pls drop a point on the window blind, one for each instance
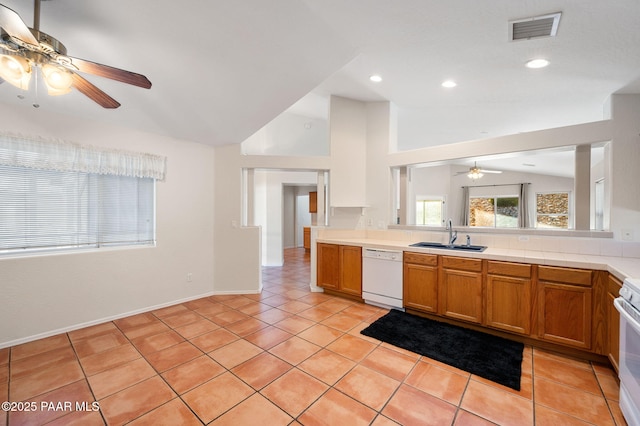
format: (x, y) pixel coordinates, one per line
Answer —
(63, 195)
(44, 209)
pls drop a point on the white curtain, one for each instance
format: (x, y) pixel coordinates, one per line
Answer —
(523, 206)
(464, 217)
(44, 154)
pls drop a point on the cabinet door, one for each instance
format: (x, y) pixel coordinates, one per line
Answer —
(351, 270)
(306, 234)
(420, 287)
(564, 314)
(613, 321)
(461, 295)
(328, 266)
(509, 303)
(313, 202)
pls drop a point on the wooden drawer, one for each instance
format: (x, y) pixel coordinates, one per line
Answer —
(565, 275)
(421, 259)
(462, 263)
(509, 269)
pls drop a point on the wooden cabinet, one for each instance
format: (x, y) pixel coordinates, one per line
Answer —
(420, 282)
(306, 237)
(339, 268)
(328, 266)
(508, 301)
(564, 306)
(613, 322)
(313, 202)
(559, 306)
(351, 270)
(461, 289)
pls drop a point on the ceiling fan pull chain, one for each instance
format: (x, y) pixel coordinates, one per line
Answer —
(35, 86)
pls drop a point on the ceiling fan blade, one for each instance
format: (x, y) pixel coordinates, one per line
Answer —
(93, 92)
(490, 171)
(13, 25)
(106, 71)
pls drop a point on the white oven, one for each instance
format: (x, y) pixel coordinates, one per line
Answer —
(628, 304)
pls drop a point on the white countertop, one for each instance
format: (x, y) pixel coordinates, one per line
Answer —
(620, 267)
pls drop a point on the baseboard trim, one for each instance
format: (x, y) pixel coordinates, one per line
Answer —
(100, 321)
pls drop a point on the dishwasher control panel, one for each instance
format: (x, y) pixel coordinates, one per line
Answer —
(382, 254)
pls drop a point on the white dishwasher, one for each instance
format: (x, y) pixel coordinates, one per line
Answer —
(382, 278)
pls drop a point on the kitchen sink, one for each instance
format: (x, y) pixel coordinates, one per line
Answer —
(461, 247)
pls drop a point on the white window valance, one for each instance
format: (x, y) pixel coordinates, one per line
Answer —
(45, 154)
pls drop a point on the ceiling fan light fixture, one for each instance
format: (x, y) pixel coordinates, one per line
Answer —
(16, 70)
(57, 79)
(474, 173)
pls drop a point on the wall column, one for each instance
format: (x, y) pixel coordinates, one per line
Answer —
(248, 199)
(320, 215)
(582, 188)
(402, 210)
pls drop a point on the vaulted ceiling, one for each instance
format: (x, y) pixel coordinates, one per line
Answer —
(223, 69)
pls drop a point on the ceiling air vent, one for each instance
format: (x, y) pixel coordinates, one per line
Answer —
(536, 27)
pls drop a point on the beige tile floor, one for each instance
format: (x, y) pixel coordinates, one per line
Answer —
(286, 356)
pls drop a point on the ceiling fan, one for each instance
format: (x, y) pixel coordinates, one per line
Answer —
(23, 50)
(476, 173)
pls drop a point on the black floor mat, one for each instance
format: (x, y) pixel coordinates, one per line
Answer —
(487, 356)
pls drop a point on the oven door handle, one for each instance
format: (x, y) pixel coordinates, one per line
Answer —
(622, 306)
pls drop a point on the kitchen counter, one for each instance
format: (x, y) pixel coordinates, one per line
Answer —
(620, 267)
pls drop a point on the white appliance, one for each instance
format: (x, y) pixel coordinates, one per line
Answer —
(382, 278)
(628, 304)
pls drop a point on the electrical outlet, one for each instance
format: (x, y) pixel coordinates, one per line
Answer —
(189, 277)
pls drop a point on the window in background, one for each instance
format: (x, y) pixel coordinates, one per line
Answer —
(498, 212)
(552, 210)
(429, 211)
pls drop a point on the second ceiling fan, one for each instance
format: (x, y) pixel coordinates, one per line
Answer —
(475, 172)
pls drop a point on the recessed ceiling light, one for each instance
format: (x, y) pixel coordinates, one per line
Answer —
(449, 83)
(375, 78)
(537, 63)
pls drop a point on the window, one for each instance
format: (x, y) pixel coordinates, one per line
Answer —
(552, 210)
(498, 212)
(51, 198)
(42, 209)
(429, 211)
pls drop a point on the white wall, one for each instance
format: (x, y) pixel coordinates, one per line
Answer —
(288, 216)
(237, 249)
(348, 141)
(45, 294)
(625, 173)
(290, 134)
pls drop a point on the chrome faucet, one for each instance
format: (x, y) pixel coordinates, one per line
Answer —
(453, 235)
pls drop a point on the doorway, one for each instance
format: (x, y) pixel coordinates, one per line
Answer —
(295, 214)
(303, 218)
